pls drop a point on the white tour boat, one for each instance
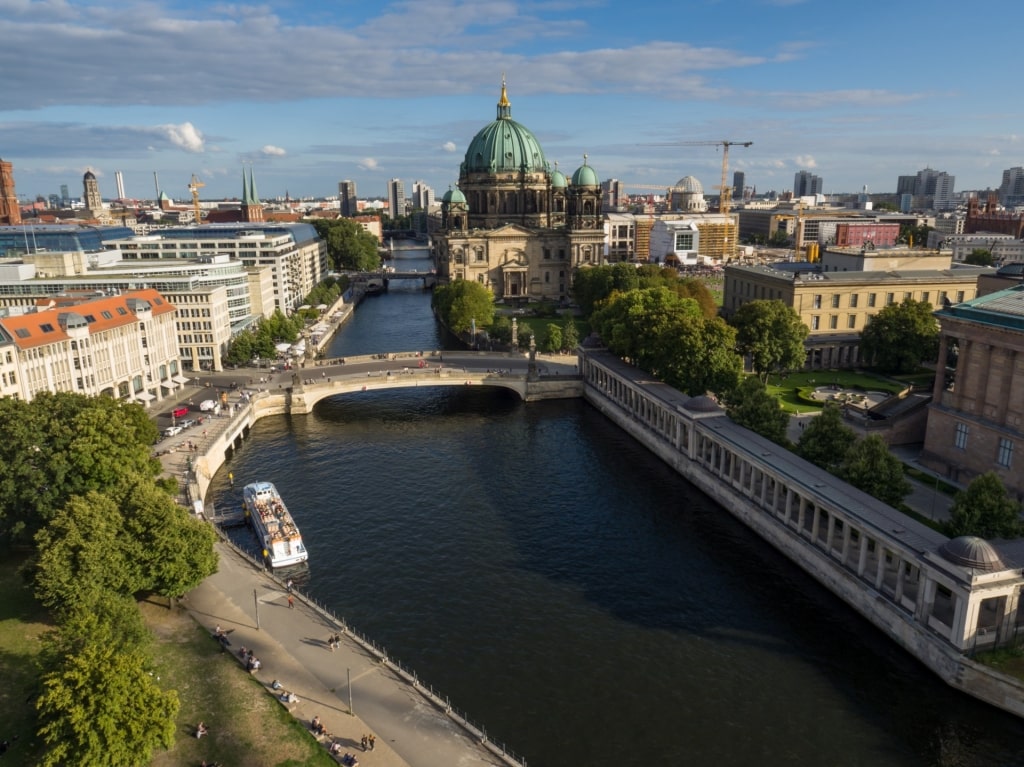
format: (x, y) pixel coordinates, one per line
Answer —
(269, 517)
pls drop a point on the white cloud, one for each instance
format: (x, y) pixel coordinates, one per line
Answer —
(368, 163)
(448, 146)
(273, 151)
(184, 136)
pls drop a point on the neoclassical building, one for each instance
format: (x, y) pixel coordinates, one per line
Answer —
(515, 223)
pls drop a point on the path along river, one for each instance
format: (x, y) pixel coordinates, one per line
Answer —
(575, 596)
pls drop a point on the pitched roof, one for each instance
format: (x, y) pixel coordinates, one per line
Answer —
(50, 325)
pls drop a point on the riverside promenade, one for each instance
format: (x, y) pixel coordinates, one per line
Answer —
(410, 724)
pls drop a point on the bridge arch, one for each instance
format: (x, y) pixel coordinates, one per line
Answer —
(305, 396)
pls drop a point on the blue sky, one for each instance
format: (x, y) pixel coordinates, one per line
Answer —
(311, 93)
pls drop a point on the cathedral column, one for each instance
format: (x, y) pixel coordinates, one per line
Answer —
(940, 369)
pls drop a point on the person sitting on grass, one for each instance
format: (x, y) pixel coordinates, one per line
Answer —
(201, 730)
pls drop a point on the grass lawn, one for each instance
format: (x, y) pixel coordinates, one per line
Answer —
(247, 724)
(22, 621)
(786, 388)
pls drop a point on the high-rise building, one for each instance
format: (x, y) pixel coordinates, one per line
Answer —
(806, 184)
(10, 212)
(931, 189)
(347, 198)
(396, 198)
(119, 180)
(613, 195)
(91, 194)
(65, 196)
(739, 181)
(422, 196)
(1011, 190)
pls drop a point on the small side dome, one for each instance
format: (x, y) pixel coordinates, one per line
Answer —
(89, 175)
(585, 175)
(454, 195)
(689, 184)
(701, 404)
(972, 551)
(558, 180)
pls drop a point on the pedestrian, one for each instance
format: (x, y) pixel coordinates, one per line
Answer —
(291, 601)
(288, 585)
(373, 741)
(364, 742)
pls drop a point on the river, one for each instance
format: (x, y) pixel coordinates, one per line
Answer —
(575, 596)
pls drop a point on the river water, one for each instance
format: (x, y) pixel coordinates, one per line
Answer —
(577, 598)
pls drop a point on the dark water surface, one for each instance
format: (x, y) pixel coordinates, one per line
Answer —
(575, 596)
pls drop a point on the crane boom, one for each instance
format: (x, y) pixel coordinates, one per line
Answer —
(725, 191)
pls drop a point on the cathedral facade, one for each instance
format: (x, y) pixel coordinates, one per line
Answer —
(514, 222)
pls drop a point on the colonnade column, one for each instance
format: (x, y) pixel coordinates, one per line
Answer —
(940, 369)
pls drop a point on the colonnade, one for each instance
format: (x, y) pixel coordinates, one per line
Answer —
(894, 570)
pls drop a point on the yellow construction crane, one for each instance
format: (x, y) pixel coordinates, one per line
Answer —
(194, 186)
(725, 191)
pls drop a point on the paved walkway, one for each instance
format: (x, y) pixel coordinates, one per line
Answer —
(291, 644)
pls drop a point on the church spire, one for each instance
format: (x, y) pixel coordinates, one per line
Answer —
(504, 106)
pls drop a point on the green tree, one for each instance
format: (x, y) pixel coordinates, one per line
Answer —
(591, 285)
(870, 466)
(349, 246)
(751, 405)
(103, 706)
(826, 440)
(65, 444)
(462, 303)
(985, 509)
(669, 337)
(173, 551)
(688, 287)
(500, 330)
(980, 257)
(772, 335)
(82, 552)
(570, 334)
(900, 337)
(552, 340)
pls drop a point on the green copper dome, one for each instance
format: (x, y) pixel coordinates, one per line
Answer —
(558, 180)
(454, 195)
(585, 175)
(504, 145)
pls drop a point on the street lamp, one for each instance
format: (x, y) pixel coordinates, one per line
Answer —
(473, 325)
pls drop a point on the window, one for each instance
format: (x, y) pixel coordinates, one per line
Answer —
(906, 296)
(816, 301)
(889, 299)
(1005, 453)
(853, 301)
(959, 296)
(46, 327)
(835, 300)
(926, 297)
(815, 322)
(960, 439)
(833, 321)
(871, 299)
(942, 296)
(107, 315)
(851, 321)
(684, 241)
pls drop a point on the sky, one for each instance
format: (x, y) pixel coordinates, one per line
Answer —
(307, 94)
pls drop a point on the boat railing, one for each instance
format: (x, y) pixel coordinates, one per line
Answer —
(435, 697)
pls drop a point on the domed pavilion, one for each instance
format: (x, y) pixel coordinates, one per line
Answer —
(515, 222)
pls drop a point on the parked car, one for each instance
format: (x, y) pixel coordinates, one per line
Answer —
(188, 422)
(172, 431)
(207, 405)
(178, 412)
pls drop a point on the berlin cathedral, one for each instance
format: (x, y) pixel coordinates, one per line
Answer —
(515, 223)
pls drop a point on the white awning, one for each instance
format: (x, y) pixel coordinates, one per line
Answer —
(145, 396)
(169, 385)
(181, 379)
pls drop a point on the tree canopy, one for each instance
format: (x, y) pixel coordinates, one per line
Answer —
(594, 284)
(985, 509)
(349, 246)
(870, 466)
(900, 337)
(669, 337)
(772, 334)
(979, 257)
(826, 439)
(61, 445)
(751, 405)
(463, 303)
